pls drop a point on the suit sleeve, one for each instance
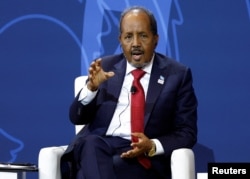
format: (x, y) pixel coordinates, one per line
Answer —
(184, 132)
(81, 114)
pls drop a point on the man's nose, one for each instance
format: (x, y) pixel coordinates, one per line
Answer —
(136, 41)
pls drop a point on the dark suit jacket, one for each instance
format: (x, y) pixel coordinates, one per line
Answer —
(171, 105)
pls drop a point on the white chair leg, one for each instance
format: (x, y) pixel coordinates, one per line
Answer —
(49, 162)
(183, 164)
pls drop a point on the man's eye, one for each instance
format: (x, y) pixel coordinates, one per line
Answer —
(143, 36)
(127, 37)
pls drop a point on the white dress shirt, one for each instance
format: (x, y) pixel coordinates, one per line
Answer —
(120, 123)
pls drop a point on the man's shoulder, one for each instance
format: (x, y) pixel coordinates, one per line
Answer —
(168, 61)
(113, 57)
(109, 62)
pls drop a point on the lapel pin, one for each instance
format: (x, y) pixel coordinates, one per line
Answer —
(161, 80)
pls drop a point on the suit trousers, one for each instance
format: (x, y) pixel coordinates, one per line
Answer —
(96, 157)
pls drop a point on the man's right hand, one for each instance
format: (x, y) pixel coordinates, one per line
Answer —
(97, 75)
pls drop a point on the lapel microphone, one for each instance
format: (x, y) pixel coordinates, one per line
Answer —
(133, 89)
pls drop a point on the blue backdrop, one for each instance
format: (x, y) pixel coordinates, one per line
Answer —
(45, 44)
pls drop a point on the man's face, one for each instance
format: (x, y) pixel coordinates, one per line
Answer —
(137, 40)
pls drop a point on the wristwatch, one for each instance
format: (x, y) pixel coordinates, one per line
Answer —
(152, 151)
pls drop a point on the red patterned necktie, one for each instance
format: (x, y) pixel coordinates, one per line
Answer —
(137, 111)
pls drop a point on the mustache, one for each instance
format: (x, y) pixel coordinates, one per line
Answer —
(136, 51)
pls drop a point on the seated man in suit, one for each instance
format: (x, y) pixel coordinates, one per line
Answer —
(137, 106)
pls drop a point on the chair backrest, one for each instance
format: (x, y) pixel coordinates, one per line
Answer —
(79, 83)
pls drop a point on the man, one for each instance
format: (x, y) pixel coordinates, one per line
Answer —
(108, 147)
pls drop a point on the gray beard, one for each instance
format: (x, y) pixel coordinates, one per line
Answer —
(139, 65)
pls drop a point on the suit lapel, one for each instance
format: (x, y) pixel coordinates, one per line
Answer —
(114, 84)
(156, 83)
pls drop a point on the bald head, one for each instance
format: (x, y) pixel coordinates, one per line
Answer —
(138, 9)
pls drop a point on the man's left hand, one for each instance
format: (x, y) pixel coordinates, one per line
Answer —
(141, 147)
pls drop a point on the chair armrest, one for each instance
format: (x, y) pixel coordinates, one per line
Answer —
(202, 176)
(183, 164)
(49, 162)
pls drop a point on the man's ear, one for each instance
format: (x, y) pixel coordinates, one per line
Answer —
(156, 40)
(119, 38)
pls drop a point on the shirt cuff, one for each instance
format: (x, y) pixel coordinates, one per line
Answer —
(159, 149)
(86, 95)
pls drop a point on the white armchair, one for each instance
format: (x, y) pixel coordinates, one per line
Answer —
(182, 160)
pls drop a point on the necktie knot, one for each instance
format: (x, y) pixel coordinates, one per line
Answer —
(138, 73)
